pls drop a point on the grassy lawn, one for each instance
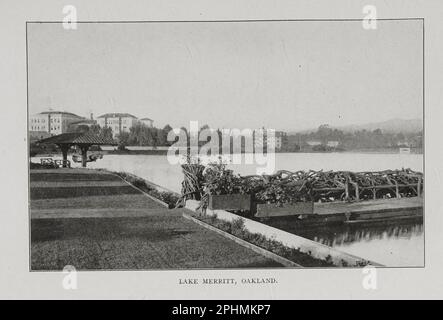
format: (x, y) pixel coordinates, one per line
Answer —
(86, 191)
(135, 243)
(162, 239)
(131, 201)
(72, 175)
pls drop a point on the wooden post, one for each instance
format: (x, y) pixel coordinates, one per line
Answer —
(64, 148)
(419, 187)
(84, 150)
(347, 188)
(397, 190)
(357, 191)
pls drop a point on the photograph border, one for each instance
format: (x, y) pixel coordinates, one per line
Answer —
(422, 19)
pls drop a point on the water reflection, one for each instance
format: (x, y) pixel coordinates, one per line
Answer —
(394, 243)
(346, 234)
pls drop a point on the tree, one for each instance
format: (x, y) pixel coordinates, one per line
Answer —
(106, 133)
(81, 128)
(123, 138)
(164, 134)
(95, 128)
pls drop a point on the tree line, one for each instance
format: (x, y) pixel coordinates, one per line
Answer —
(141, 135)
(138, 135)
(360, 139)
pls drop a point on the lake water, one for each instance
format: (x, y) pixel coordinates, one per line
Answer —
(401, 244)
(396, 243)
(158, 170)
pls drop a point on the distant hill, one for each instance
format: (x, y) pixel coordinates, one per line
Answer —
(388, 126)
(391, 126)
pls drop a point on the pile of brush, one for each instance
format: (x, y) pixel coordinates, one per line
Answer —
(288, 187)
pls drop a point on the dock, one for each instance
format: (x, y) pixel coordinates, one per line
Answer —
(379, 209)
(369, 206)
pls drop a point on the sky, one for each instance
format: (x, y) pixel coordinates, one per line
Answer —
(286, 75)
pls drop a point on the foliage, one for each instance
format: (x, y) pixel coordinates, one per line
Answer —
(237, 228)
(219, 180)
(279, 194)
(286, 187)
(121, 147)
(360, 139)
(142, 135)
(105, 132)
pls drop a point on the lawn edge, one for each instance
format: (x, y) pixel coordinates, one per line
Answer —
(164, 204)
(268, 254)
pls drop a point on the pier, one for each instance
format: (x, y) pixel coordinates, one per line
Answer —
(380, 209)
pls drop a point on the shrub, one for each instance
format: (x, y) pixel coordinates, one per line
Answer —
(139, 183)
(212, 218)
(237, 228)
(121, 147)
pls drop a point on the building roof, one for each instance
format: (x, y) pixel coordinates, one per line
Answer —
(61, 112)
(146, 119)
(117, 115)
(77, 138)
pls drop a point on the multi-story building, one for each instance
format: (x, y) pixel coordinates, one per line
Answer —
(147, 122)
(121, 122)
(281, 138)
(118, 122)
(261, 139)
(52, 122)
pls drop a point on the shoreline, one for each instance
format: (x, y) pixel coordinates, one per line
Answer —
(165, 152)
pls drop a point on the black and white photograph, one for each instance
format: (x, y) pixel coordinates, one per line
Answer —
(229, 144)
(206, 150)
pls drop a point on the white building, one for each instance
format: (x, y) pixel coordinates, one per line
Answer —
(280, 139)
(147, 122)
(52, 122)
(118, 122)
(313, 143)
(121, 122)
(333, 144)
(261, 139)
